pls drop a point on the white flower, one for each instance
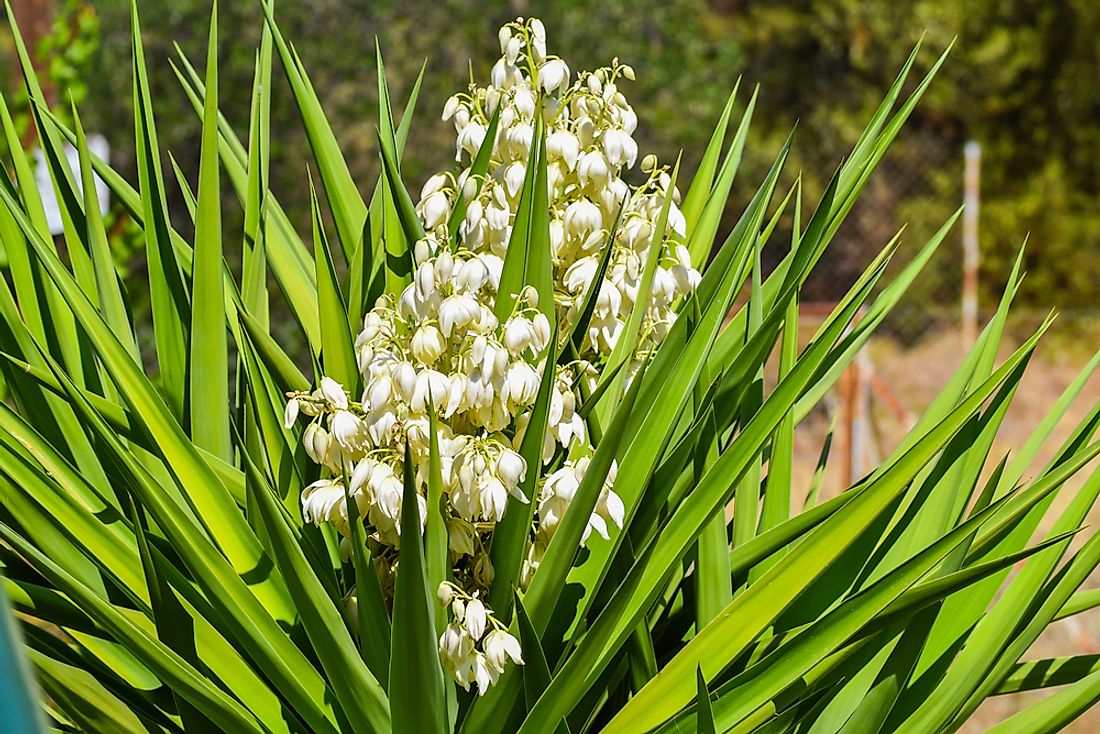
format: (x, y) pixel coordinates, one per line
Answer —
(511, 468)
(290, 415)
(519, 138)
(471, 275)
(455, 647)
(405, 378)
(475, 619)
(450, 107)
(457, 311)
(433, 385)
(494, 499)
(582, 217)
(499, 647)
(513, 178)
(523, 101)
(387, 497)
(563, 145)
(538, 29)
(676, 220)
(434, 210)
(505, 75)
(334, 393)
(470, 139)
(427, 344)
(512, 49)
(519, 334)
(521, 384)
(619, 147)
(541, 327)
(578, 278)
(563, 483)
(434, 183)
(360, 475)
(553, 75)
(611, 506)
(316, 442)
(593, 170)
(346, 429)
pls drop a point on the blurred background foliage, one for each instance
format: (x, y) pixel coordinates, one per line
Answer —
(1022, 81)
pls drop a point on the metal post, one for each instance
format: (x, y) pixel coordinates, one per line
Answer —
(846, 430)
(35, 17)
(971, 200)
(854, 405)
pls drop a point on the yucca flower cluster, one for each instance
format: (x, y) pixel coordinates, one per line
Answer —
(441, 347)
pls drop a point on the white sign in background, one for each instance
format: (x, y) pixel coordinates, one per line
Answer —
(97, 144)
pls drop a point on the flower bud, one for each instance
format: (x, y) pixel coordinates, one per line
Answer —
(316, 442)
(290, 415)
(405, 378)
(445, 593)
(450, 107)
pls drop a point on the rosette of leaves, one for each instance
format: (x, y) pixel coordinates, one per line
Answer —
(164, 580)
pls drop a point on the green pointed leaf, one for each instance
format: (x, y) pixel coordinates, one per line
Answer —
(169, 667)
(338, 356)
(416, 678)
(703, 705)
(348, 209)
(358, 693)
(208, 387)
(527, 261)
(170, 301)
(19, 709)
(536, 671)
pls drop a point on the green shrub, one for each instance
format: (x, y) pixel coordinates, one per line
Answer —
(531, 359)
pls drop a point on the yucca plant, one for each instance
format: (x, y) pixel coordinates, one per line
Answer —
(539, 360)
